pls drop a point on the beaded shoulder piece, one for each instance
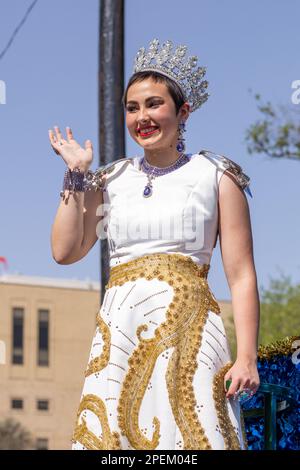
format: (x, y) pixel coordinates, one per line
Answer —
(232, 167)
(93, 179)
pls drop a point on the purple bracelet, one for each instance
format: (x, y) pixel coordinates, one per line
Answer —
(73, 181)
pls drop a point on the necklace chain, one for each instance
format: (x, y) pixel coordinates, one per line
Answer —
(151, 169)
(154, 171)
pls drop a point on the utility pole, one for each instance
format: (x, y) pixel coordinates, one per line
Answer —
(110, 91)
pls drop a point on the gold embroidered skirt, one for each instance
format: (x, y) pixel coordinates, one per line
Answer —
(157, 363)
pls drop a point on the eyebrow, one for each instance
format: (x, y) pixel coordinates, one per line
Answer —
(148, 99)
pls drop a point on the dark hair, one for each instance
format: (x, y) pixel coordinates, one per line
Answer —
(174, 90)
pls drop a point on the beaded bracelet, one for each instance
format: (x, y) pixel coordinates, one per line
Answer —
(75, 180)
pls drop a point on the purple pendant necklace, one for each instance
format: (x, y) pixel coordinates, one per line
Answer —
(153, 171)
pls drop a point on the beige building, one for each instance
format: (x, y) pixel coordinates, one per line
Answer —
(46, 328)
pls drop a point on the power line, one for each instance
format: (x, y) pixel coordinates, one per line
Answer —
(18, 28)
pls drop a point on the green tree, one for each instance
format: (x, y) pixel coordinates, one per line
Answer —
(13, 436)
(277, 132)
(280, 310)
(280, 313)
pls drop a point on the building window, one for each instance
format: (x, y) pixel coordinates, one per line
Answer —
(42, 405)
(41, 443)
(43, 338)
(18, 336)
(17, 404)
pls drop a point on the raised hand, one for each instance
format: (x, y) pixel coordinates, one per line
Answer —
(70, 151)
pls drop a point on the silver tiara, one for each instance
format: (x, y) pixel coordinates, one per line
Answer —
(176, 66)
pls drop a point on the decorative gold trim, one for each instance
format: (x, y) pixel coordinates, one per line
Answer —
(182, 329)
(284, 346)
(110, 440)
(180, 373)
(136, 268)
(99, 362)
(230, 438)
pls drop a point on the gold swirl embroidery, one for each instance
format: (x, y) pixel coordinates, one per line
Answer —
(110, 440)
(99, 362)
(182, 329)
(230, 438)
(180, 373)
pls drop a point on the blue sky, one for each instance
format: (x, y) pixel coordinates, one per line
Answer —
(50, 73)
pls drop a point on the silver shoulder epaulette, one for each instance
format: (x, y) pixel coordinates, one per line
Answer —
(93, 179)
(236, 170)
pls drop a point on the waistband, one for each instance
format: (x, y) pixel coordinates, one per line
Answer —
(157, 265)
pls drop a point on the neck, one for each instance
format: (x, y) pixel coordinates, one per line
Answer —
(162, 158)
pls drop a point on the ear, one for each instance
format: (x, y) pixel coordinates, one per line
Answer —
(185, 111)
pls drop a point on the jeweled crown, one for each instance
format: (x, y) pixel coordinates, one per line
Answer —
(176, 66)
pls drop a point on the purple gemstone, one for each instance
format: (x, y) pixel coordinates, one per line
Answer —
(147, 191)
(180, 147)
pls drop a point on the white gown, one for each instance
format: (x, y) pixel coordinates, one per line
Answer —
(155, 377)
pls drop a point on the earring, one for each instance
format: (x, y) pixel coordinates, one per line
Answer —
(181, 142)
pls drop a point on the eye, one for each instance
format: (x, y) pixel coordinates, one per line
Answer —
(154, 104)
(130, 108)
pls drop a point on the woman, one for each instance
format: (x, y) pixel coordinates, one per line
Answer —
(160, 364)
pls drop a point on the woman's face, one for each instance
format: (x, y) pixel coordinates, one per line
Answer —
(151, 115)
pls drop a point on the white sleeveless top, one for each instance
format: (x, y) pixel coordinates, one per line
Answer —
(181, 215)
